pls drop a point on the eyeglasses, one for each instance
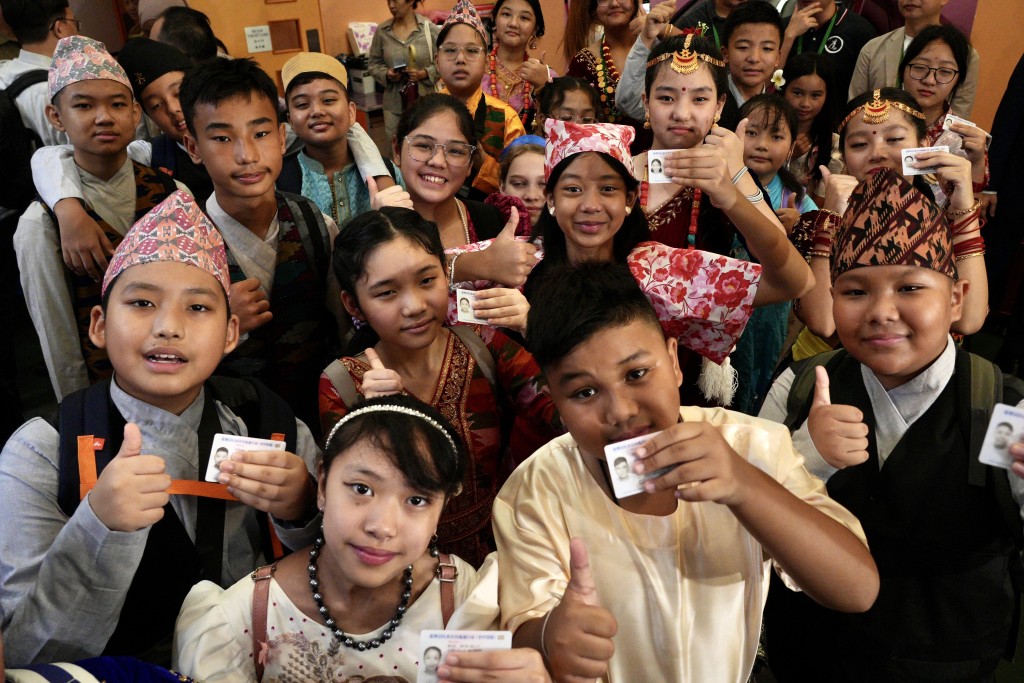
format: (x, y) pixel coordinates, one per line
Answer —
(455, 153)
(943, 75)
(451, 51)
(76, 22)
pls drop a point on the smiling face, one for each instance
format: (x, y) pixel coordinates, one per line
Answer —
(767, 143)
(515, 24)
(752, 54)
(525, 179)
(928, 92)
(895, 319)
(615, 14)
(682, 108)
(320, 112)
(99, 117)
(165, 330)
(807, 96)
(402, 294)
(590, 200)
(434, 181)
(878, 145)
(161, 103)
(620, 383)
(462, 72)
(375, 523)
(240, 143)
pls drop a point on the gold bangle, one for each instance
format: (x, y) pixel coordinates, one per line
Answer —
(963, 257)
(964, 212)
(819, 252)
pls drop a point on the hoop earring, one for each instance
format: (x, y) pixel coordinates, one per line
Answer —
(433, 546)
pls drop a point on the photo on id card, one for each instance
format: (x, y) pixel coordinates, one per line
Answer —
(1004, 429)
(226, 445)
(435, 646)
(656, 166)
(620, 458)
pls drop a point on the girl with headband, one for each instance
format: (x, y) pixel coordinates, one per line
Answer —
(355, 602)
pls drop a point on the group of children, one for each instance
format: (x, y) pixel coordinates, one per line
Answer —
(445, 476)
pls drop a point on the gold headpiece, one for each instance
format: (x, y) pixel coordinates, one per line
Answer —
(877, 111)
(685, 61)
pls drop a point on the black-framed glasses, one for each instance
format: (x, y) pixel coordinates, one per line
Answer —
(423, 148)
(451, 51)
(76, 22)
(943, 75)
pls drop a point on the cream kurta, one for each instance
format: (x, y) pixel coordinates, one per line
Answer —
(687, 589)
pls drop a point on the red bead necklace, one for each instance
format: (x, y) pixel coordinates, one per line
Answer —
(492, 66)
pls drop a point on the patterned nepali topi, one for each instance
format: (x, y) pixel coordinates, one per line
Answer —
(78, 58)
(465, 12)
(146, 60)
(174, 230)
(889, 222)
(566, 138)
(313, 62)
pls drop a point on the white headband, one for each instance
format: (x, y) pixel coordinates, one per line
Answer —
(384, 408)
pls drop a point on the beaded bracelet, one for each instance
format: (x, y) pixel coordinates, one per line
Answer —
(963, 212)
(451, 272)
(739, 175)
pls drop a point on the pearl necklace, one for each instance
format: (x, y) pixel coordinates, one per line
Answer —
(341, 636)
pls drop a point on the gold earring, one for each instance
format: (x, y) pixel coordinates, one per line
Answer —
(717, 116)
(629, 209)
(533, 43)
(647, 121)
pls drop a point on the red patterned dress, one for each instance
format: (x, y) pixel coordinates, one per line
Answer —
(501, 427)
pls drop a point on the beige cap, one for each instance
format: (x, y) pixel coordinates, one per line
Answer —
(308, 62)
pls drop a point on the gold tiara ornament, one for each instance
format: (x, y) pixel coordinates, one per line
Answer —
(686, 60)
(877, 111)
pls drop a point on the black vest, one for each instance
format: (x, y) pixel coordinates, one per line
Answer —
(943, 551)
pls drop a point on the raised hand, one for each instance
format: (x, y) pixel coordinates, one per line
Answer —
(535, 71)
(838, 189)
(502, 307)
(729, 144)
(272, 481)
(519, 665)
(838, 431)
(656, 25)
(83, 243)
(250, 304)
(789, 214)
(378, 380)
(131, 492)
(803, 20)
(508, 260)
(389, 196)
(578, 636)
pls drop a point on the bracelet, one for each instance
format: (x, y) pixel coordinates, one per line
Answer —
(969, 246)
(451, 272)
(963, 212)
(960, 228)
(755, 198)
(543, 630)
(963, 257)
(818, 252)
(739, 175)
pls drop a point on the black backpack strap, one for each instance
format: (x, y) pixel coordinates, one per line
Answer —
(290, 179)
(313, 230)
(163, 156)
(85, 412)
(801, 392)
(25, 81)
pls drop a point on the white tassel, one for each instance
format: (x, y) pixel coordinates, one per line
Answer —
(718, 382)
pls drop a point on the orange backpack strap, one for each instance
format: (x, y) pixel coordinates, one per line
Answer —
(447, 572)
(260, 598)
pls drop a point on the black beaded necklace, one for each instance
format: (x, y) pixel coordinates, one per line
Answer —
(341, 636)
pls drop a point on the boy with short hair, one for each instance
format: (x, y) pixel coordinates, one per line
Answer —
(101, 564)
(750, 47)
(894, 422)
(698, 538)
(324, 169)
(92, 102)
(278, 244)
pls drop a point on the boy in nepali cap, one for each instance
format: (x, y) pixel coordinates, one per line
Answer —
(95, 565)
(894, 423)
(91, 101)
(461, 62)
(156, 71)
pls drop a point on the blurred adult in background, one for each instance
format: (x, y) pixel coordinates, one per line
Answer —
(188, 30)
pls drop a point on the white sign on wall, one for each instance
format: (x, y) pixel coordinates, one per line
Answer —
(257, 39)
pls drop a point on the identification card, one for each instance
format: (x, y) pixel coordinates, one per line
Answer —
(435, 646)
(1006, 427)
(910, 158)
(656, 166)
(465, 298)
(225, 445)
(620, 458)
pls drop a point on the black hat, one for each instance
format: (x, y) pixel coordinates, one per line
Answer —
(146, 60)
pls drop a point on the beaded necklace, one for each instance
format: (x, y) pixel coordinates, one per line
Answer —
(509, 83)
(607, 80)
(691, 237)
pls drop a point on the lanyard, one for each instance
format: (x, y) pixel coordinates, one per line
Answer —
(824, 40)
(718, 43)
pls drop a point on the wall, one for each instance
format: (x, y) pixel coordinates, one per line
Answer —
(229, 25)
(999, 41)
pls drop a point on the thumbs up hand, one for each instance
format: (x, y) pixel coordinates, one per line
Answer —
(508, 260)
(389, 196)
(131, 492)
(535, 71)
(789, 214)
(378, 380)
(838, 189)
(838, 431)
(578, 633)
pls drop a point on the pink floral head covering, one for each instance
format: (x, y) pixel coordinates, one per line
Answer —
(174, 230)
(78, 58)
(566, 138)
(465, 12)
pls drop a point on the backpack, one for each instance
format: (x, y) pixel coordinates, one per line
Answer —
(17, 144)
(988, 387)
